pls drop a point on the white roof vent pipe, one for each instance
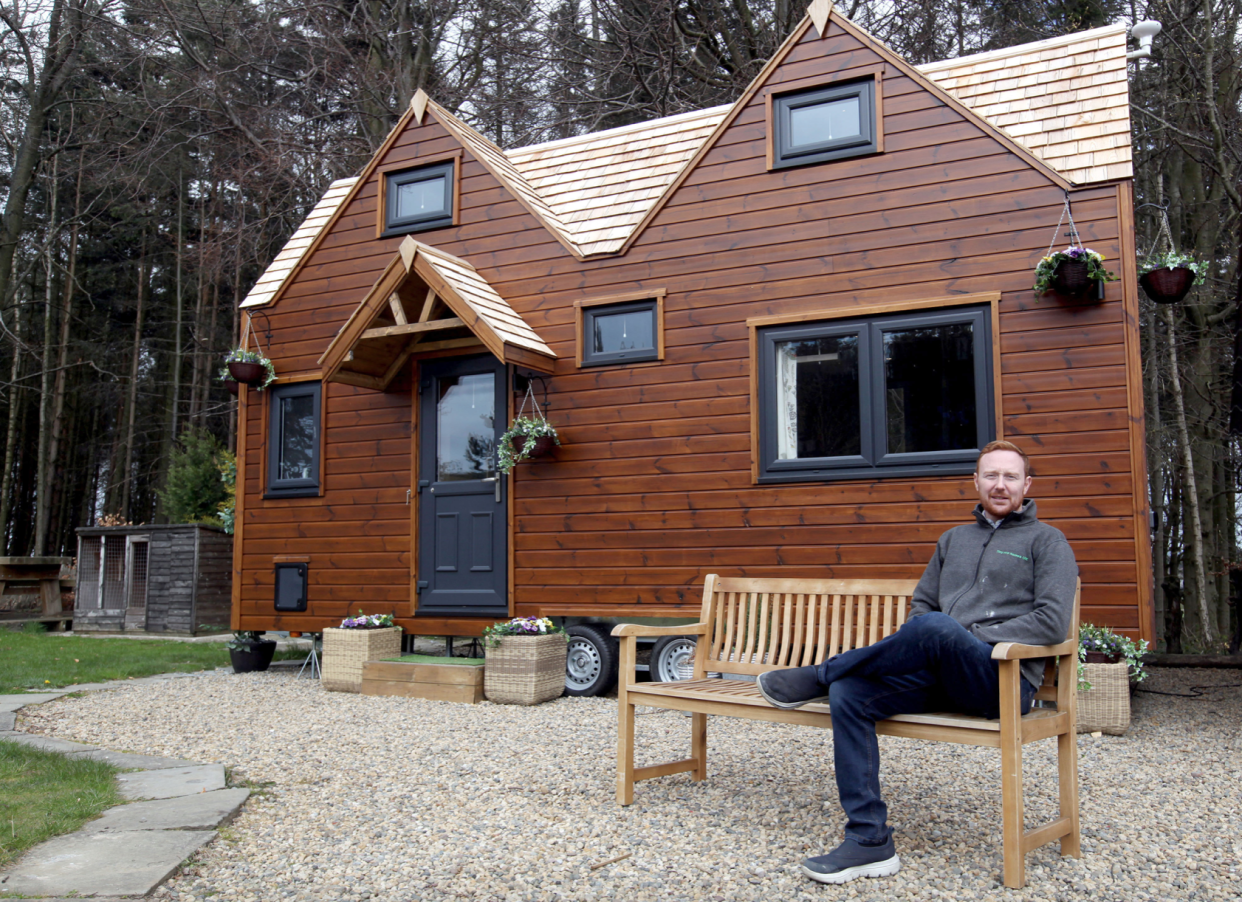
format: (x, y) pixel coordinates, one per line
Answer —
(1144, 32)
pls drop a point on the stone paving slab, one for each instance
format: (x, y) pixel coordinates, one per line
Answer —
(130, 761)
(13, 702)
(47, 743)
(171, 782)
(201, 811)
(103, 863)
(8, 721)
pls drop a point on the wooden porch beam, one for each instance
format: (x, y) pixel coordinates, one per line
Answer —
(412, 328)
(398, 312)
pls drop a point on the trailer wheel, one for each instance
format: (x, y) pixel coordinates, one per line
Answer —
(591, 660)
(672, 659)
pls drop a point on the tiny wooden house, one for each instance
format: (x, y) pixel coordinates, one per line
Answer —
(771, 335)
(155, 579)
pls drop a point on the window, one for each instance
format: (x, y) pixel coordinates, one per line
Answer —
(293, 449)
(824, 124)
(291, 587)
(902, 395)
(620, 332)
(418, 199)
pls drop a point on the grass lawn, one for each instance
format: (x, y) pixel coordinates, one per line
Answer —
(46, 794)
(34, 661)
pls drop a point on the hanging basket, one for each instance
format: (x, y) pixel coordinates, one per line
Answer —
(249, 373)
(1168, 286)
(233, 386)
(538, 446)
(1072, 278)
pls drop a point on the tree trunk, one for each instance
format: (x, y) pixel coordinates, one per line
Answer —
(1193, 534)
(16, 399)
(42, 470)
(132, 392)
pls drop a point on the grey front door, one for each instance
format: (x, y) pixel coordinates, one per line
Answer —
(462, 509)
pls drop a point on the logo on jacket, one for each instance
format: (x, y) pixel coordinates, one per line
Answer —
(1022, 557)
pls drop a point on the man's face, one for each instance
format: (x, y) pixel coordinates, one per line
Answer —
(1002, 482)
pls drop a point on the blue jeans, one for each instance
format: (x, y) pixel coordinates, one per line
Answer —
(932, 663)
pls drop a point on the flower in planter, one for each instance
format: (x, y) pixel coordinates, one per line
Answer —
(1175, 260)
(1046, 270)
(242, 355)
(243, 639)
(1103, 640)
(519, 626)
(368, 622)
(518, 442)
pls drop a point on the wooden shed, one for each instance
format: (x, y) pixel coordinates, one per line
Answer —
(156, 579)
(772, 336)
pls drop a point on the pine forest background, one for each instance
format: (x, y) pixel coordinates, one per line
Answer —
(158, 153)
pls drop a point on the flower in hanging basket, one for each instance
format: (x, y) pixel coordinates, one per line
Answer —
(1071, 271)
(1168, 277)
(368, 622)
(519, 626)
(525, 438)
(1101, 640)
(249, 367)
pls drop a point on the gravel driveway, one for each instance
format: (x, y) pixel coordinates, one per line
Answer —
(402, 799)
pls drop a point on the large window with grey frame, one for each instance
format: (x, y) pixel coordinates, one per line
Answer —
(902, 395)
(293, 440)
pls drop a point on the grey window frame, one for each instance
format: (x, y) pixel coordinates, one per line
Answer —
(394, 180)
(785, 155)
(590, 358)
(293, 488)
(874, 462)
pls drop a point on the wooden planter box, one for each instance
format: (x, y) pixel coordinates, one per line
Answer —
(443, 682)
(345, 651)
(525, 670)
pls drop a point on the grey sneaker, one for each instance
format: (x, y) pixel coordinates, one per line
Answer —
(792, 687)
(852, 860)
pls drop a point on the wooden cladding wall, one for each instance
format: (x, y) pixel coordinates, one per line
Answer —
(652, 488)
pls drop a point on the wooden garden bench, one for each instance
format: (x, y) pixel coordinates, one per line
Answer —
(749, 626)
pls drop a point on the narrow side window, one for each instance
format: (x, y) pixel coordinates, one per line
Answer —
(293, 450)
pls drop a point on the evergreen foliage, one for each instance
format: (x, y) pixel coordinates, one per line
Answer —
(196, 487)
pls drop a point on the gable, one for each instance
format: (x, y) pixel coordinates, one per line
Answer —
(1061, 105)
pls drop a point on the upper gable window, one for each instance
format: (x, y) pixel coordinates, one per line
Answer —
(418, 199)
(824, 124)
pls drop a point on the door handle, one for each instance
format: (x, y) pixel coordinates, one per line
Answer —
(496, 480)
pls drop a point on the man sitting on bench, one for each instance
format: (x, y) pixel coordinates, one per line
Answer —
(1007, 577)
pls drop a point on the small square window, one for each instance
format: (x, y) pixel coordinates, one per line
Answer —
(620, 333)
(418, 199)
(291, 587)
(901, 395)
(824, 124)
(293, 450)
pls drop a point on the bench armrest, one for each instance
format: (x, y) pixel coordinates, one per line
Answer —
(639, 629)
(1013, 651)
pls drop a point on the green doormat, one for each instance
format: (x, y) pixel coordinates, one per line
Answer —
(436, 659)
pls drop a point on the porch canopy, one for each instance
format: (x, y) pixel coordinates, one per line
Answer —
(427, 300)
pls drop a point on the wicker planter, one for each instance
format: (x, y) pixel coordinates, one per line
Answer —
(525, 670)
(1105, 707)
(1168, 286)
(345, 651)
(249, 373)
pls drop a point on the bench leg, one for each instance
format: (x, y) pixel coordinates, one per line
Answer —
(625, 724)
(698, 746)
(1067, 778)
(1012, 813)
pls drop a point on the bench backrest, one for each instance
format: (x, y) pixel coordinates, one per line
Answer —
(765, 624)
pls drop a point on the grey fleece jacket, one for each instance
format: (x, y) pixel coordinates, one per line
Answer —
(1011, 583)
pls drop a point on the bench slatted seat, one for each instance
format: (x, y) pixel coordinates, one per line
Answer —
(749, 626)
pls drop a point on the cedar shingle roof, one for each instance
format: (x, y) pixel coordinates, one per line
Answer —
(1065, 99)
